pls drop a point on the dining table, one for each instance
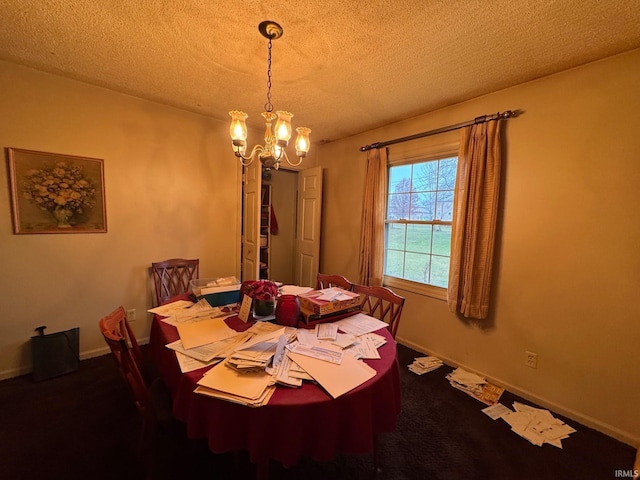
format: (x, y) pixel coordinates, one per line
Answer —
(296, 422)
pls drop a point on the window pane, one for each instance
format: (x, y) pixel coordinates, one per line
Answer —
(396, 236)
(442, 240)
(444, 210)
(400, 179)
(447, 173)
(422, 206)
(416, 267)
(425, 176)
(439, 271)
(398, 206)
(395, 263)
(419, 238)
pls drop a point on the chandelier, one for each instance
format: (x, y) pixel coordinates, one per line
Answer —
(273, 150)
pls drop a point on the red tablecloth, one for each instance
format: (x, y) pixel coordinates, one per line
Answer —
(296, 421)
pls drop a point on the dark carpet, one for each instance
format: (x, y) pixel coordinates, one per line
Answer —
(83, 425)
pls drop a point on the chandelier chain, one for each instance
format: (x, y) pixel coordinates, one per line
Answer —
(268, 107)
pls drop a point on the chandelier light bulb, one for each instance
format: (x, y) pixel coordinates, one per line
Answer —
(283, 128)
(238, 127)
(302, 141)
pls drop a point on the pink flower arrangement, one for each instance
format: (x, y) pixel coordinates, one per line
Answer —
(260, 289)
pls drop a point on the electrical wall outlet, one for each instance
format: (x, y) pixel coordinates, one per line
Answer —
(531, 360)
(131, 315)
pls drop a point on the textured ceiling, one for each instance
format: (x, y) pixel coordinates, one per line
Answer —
(342, 67)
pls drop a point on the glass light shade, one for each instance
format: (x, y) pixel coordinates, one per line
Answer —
(238, 128)
(302, 141)
(278, 151)
(283, 128)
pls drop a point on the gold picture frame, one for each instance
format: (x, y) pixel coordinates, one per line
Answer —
(56, 193)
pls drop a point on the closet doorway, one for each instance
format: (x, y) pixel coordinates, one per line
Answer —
(281, 225)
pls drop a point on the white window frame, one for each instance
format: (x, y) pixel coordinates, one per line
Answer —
(424, 154)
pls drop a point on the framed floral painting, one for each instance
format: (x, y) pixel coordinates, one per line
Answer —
(54, 193)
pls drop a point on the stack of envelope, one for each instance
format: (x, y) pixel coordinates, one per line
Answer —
(423, 365)
(254, 357)
(242, 377)
(195, 358)
(253, 388)
(475, 386)
(537, 425)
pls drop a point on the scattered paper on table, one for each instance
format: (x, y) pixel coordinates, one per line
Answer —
(359, 324)
(343, 340)
(332, 294)
(167, 309)
(316, 351)
(327, 331)
(263, 399)
(364, 347)
(294, 290)
(189, 364)
(335, 379)
(206, 331)
(249, 385)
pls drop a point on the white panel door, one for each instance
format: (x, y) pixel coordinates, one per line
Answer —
(251, 221)
(307, 257)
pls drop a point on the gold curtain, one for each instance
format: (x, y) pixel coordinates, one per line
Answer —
(474, 220)
(371, 263)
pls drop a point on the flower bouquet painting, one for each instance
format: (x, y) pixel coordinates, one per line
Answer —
(54, 193)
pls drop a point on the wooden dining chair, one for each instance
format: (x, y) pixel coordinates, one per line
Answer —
(172, 277)
(325, 280)
(381, 303)
(151, 397)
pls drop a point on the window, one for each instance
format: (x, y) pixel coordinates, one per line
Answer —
(418, 224)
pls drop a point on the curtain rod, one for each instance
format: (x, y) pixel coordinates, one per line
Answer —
(481, 119)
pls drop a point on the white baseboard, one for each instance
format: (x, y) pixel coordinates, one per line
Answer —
(96, 352)
(602, 427)
(14, 372)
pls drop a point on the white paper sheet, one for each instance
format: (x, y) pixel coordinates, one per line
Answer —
(336, 379)
(359, 324)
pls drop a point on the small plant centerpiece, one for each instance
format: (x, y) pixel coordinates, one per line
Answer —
(264, 293)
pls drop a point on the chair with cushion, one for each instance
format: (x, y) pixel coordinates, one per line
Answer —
(172, 277)
(326, 280)
(381, 303)
(151, 397)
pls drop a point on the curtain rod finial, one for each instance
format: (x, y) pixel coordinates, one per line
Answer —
(370, 147)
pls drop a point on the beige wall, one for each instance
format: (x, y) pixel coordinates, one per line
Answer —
(568, 261)
(171, 191)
